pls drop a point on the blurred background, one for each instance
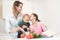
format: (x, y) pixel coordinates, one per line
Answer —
(0, 9)
(47, 10)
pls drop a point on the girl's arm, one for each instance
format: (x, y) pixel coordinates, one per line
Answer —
(31, 29)
(43, 27)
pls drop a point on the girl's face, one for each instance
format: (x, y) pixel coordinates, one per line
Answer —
(19, 8)
(32, 18)
(26, 18)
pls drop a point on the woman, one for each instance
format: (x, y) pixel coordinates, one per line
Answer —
(12, 21)
(37, 27)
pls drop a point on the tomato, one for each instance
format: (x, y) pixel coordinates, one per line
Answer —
(22, 35)
(30, 36)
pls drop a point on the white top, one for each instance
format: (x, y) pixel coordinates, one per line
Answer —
(12, 23)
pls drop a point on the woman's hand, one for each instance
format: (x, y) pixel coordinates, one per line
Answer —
(21, 29)
(17, 29)
(12, 31)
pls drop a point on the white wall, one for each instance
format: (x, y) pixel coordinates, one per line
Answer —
(52, 14)
(6, 9)
(0, 9)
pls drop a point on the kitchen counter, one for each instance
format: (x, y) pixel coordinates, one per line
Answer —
(8, 37)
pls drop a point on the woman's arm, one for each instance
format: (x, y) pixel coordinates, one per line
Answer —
(19, 28)
(7, 25)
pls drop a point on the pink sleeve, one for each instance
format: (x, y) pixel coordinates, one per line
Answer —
(31, 28)
(43, 27)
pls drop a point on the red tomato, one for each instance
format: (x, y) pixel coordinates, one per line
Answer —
(30, 36)
(22, 35)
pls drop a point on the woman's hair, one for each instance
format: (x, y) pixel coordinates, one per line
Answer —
(26, 15)
(35, 15)
(16, 4)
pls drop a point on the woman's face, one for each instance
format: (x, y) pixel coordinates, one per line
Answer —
(32, 18)
(19, 8)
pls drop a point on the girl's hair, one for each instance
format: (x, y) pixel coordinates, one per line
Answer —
(35, 15)
(26, 15)
(16, 4)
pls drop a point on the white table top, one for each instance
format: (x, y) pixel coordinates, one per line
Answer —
(7, 37)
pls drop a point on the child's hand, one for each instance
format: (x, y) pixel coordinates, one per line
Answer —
(24, 26)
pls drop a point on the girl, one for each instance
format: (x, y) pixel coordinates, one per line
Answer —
(37, 27)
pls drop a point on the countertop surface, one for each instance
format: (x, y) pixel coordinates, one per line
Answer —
(8, 37)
